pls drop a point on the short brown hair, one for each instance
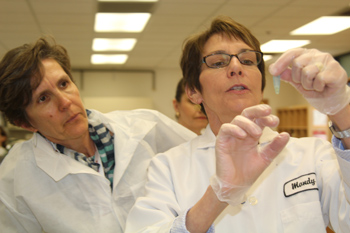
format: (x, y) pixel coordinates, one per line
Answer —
(20, 74)
(191, 59)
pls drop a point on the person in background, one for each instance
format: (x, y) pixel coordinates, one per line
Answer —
(82, 170)
(3, 143)
(240, 175)
(188, 114)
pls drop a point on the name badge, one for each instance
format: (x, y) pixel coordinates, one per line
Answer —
(300, 184)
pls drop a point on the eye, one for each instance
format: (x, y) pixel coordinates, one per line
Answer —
(248, 58)
(42, 98)
(247, 62)
(218, 60)
(64, 83)
(219, 63)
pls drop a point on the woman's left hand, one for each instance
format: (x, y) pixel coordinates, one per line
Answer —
(317, 76)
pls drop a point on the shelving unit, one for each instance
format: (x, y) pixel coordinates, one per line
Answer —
(303, 121)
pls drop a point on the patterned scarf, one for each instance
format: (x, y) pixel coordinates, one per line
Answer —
(104, 142)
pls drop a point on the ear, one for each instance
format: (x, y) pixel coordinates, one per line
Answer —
(194, 95)
(27, 127)
(176, 105)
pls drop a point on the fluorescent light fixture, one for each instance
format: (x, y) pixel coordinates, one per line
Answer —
(108, 58)
(267, 57)
(280, 46)
(325, 25)
(100, 44)
(128, 1)
(121, 22)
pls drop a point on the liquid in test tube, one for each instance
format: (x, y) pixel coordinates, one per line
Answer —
(277, 83)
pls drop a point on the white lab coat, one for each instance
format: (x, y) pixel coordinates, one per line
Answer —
(179, 177)
(43, 190)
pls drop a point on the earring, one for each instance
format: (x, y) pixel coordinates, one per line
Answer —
(198, 106)
(177, 114)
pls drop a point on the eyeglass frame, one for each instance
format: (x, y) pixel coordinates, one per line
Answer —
(232, 55)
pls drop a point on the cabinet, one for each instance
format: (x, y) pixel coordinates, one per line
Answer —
(303, 121)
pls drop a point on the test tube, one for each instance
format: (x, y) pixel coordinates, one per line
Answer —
(277, 83)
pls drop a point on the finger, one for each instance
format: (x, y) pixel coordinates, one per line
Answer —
(271, 150)
(315, 71)
(228, 130)
(308, 76)
(257, 111)
(319, 83)
(284, 61)
(249, 126)
(268, 121)
(296, 73)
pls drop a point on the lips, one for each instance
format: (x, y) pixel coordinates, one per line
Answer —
(238, 87)
(72, 118)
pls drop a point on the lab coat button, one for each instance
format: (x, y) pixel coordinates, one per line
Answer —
(253, 200)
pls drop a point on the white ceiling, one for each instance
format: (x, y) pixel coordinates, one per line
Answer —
(71, 22)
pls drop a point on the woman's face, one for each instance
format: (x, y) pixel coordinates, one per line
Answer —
(190, 115)
(227, 91)
(3, 138)
(56, 110)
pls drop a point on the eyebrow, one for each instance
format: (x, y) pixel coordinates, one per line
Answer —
(225, 52)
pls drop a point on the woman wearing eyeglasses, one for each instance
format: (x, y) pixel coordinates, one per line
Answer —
(240, 176)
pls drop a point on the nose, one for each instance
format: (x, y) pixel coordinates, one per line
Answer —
(235, 67)
(64, 101)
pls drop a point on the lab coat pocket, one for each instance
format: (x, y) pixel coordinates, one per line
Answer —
(305, 217)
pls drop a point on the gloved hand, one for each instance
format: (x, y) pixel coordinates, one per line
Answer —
(239, 158)
(317, 76)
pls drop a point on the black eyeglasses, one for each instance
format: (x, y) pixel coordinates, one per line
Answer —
(220, 60)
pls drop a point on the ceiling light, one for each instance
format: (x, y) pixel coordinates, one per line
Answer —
(100, 44)
(280, 46)
(121, 22)
(267, 57)
(108, 58)
(325, 25)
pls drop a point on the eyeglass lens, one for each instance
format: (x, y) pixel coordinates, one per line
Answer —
(221, 60)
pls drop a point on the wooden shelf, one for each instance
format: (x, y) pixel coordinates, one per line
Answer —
(303, 121)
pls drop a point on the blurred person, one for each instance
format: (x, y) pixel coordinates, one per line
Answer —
(240, 175)
(3, 143)
(188, 114)
(82, 170)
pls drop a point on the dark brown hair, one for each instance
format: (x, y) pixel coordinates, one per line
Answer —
(191, 59)
(20, 74)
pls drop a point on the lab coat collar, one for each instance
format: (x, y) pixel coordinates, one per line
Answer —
(55, 164)
(208, 139)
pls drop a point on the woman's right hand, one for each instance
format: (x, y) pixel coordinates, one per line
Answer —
(239, 158)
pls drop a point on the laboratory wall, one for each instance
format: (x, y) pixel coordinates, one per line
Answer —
(115, 90)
